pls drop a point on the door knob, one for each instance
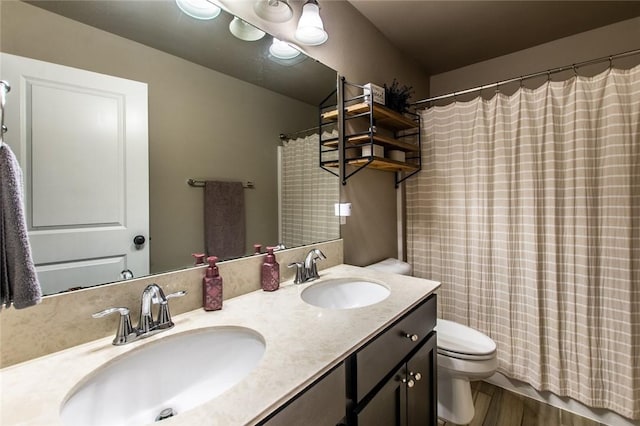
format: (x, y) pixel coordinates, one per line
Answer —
(139, 240)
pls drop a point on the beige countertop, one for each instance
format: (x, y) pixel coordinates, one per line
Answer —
(302, 343)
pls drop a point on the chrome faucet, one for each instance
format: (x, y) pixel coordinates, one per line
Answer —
(307, 271)
(147, 326)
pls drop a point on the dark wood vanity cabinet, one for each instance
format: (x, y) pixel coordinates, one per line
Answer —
(392, 380)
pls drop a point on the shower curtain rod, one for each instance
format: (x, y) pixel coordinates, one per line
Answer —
(528, 76)
(305, 132)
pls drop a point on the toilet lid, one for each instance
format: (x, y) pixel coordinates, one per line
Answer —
(456, 338)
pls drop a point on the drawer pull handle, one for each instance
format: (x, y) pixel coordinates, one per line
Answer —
(410, 383)
(416, 376)
(412, 337)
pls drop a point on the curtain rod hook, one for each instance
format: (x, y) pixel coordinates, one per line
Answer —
(610, 61)
(548, 75)
(575, 70)
(521, 81)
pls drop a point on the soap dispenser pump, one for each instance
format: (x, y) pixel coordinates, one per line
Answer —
(270, 277)
(212, 286)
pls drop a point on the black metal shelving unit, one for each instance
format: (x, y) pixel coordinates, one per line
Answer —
(366, 125)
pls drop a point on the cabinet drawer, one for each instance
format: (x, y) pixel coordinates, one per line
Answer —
(321, 404)
(373, 362)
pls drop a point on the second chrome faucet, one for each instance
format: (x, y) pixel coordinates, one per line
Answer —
(147, 325)
(307, 270)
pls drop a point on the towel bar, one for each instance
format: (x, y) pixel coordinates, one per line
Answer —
(200, 183)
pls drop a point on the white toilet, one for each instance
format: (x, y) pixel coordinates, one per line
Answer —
(464, 355)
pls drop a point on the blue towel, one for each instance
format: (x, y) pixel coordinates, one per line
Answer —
(18, 280)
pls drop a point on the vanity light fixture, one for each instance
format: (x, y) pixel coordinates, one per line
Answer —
(273, 10)
(310, 29)
(199, 9)
(283, 50)
(245, 31)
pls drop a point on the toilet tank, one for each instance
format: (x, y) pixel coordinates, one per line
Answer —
(392, 265)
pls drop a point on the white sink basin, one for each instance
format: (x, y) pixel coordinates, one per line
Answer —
(178, 372)
(345, 293)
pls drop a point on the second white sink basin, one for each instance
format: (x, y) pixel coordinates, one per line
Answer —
(345, 293)
(173, 375)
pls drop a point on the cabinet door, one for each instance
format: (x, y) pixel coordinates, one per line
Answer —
(388, 406)
(422, 398)
(322, 404)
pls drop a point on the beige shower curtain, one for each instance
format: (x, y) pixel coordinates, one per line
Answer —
(528, 211)
(308, 194)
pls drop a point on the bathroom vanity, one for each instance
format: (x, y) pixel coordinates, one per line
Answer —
(391, 380)
(362, 366)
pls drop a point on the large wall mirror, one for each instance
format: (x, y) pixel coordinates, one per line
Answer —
(217, 107)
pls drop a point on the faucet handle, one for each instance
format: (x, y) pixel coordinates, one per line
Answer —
(299, 271)
(176, 294)
(164, 317)
(125, 330)
(121, 310)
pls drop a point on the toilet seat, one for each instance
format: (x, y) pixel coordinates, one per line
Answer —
(462, 342)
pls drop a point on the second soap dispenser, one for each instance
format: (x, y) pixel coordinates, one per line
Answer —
(212, 286)
(270, 276)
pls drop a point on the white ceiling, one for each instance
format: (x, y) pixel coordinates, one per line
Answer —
(445, 35)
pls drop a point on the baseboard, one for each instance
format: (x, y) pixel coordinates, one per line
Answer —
(597, 414)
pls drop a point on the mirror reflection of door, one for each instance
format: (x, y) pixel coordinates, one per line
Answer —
(82, 217)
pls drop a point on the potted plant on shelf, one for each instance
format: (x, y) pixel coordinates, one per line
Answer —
(397, 97)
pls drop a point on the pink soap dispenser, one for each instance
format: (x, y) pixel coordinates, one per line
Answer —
(270, 272)
(212, 287)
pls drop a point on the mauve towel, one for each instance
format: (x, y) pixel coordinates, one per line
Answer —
(18, 280)
(224, 223)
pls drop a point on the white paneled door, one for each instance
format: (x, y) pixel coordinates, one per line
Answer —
(82, 142)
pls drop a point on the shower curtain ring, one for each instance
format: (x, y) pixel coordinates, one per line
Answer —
(521, 81)
(575, 70)
(548, 75)
(610, 61)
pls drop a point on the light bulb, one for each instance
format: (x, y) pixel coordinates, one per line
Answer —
(273, 10)
(199, 9)
(310, 29)
(245, 31)
(283, 50)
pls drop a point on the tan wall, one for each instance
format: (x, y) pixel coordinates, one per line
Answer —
(620, 37)
(358, 51)
(202, 124)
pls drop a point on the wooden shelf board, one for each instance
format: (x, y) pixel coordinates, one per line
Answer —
(385, 115)
(385, 164)
(378, 140)
(378, 163)
(383, 140)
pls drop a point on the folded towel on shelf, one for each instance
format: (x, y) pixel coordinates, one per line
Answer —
(224, 219)
(18, 280)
